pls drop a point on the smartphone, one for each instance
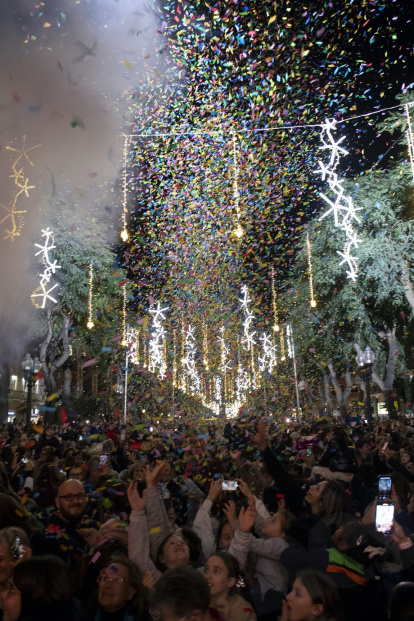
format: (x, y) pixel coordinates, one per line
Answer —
(384, 448)
(103, 461)
(384, 488)
(24, 460)
(384, 515)
(229, 486)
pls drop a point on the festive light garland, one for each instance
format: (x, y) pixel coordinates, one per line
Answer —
(49, 270)
(342, 207)
(274, 303)
(156, 344)
(268, 360)
(124, 232)
(236, 195)
(21, 183)
(309, 247)
(132, 337)
(90, 323)
(124, 324)
(189, 361)
(205, 347)
(409, 134)
(245, 301)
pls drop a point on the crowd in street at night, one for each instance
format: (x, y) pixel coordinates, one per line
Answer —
(241, 520)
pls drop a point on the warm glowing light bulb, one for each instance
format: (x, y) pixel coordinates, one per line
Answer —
(90, 324)
(239, 231)
(276, 328)
(124, 235)
(313, 303)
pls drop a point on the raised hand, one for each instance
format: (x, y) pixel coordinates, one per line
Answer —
(136, 502)
(230, 511)
(398, 535)
(148, 580)
(260, 437)
(153, 478)
(247, 517)
(245, 489)
(214, 491)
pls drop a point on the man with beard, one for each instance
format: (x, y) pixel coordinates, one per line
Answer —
(68, 529)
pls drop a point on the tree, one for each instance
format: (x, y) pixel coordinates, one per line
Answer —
(77, 248)
(376, 309)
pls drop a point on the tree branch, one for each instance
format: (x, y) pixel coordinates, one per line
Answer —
(407, 285)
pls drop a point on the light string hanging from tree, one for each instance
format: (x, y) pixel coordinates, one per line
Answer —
(342, 207)
(310, 271)
(274, 303)
(236, 194)
(90, 323)
(409, 133)
(124, 232)
(189, 361)
(124, 324)
(268, 361)
(156, 343)
(50, 268)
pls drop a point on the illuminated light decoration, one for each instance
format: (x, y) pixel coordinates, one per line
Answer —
(90, 323)
(291, 347)
(124, 232)
(14, 215)
(225, 363)
(268, 361)
(205, 348)
(189, 361)
(50, 268)
(282, 346)
(132, 337)
(124, 324)
(236, 194)
(409, 134)
(217, 389)
(249, 336)
(253, 382)
(274, 303)
(156, 344)
(342, 207)
(310, 271)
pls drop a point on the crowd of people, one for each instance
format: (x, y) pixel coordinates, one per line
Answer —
(242, 520)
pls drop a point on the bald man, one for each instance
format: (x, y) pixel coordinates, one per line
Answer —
(68, 528)
(71, 501)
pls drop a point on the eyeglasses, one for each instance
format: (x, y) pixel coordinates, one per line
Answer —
(71, 497)
(107, 580)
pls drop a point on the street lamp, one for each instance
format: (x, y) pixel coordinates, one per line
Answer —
(30, 369)
(365, 361)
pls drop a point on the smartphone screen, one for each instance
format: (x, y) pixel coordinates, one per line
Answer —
(103, 460)
(384, 516)
(384, 488)
(229, 486)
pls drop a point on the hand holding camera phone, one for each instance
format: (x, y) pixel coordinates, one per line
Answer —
(384, 488)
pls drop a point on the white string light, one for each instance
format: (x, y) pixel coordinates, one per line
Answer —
(90, 323)
(189, 361)
(342, 207)
(50, 268)
(409, 133)
(132, 337)
(268, 360)
(124, 232)
(236, 195)
(309, 247)
(249, 336)
(156, 344)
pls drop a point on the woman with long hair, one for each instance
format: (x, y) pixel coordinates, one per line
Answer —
(223, 577)
(313, 597)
